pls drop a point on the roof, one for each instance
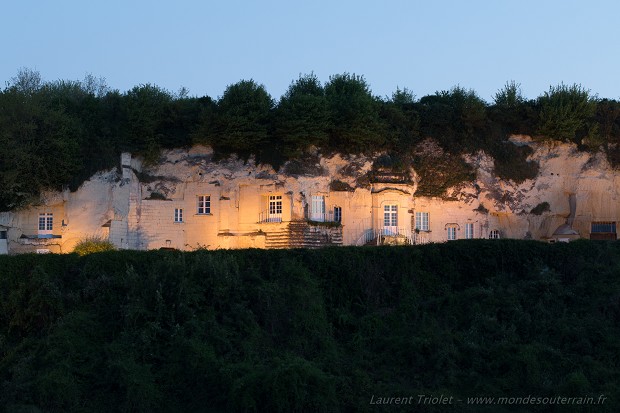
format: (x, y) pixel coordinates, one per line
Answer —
(565, 229)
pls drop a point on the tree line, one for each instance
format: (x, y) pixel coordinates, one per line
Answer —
(56, 134)
(311, 330)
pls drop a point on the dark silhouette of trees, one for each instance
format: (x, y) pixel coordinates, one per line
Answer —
(57, 134)
(309, 330)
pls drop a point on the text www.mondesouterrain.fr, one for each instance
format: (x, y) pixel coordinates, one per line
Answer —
(429, 399)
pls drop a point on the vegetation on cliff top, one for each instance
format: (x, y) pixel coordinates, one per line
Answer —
(311, 330)
(57, 134)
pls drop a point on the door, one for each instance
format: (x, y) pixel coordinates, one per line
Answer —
(275, 208)
(317, 211)
(390, 219)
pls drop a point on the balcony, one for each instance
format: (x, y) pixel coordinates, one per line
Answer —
(266, 216)
(392, 236)
(39, 239)
(319, 217)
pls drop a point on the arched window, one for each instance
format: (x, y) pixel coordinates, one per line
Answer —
(494, 234)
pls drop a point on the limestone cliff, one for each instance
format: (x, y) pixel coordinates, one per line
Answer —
(130, 206)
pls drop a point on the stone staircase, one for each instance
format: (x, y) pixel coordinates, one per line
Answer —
(277, 239)
(299, 234)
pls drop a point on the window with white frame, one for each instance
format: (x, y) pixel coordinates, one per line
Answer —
(494, 234)
(451, 232)
(204, 204)
(390, 216)
(275, 205)
(337, 214)
(46, 223)
(178, 215)
(421, 221)
(317, 212)
(469, 230)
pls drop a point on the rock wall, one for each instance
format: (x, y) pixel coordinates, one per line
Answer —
(135, 207)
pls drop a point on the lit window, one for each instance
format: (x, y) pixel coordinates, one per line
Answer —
(204, 204)
(451, 232)
(178, 215)
(469, 230)
(390, 215)
(46, 222)
(318, 208)
(275, 205)
(421, 221)
(494, 234)
(337, 214)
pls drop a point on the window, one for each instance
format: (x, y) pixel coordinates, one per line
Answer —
(421, 221)
(3, 235)
(451, 232)
(603, 230)
(318, 208)
(46, 222)
(604, 227)
(494, 234)
(390, 216)
(337, 214)
(469, 230)
(178, 215)
(275, 208)
(204, 204)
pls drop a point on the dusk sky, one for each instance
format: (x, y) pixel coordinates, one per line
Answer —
(424, 46)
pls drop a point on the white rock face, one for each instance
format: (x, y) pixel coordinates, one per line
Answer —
(136, 207)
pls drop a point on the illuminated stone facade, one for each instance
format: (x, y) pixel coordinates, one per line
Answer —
(187, 201)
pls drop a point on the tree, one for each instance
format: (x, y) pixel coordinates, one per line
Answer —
(145, 109)
(402, 119)
(510, 96)
(355, 123)
(241, 121)
(566, 113)
(95, 86)
(27, 81)
(511, 112)
(40, 141)
(608, 120)
(180, 120)
(302, 116)
(457, 118)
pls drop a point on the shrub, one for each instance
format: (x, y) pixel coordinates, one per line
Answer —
(540, 208)
(157, 196)
(511, 162)
(439, 173)
(337, 185)
(481, 209)
(93, 244)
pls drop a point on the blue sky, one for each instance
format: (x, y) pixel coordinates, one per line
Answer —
(425, 46)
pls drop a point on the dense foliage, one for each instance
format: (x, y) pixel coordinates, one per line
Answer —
(54, 135)
(311, 330)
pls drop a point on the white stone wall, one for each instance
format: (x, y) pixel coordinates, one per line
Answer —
(116, 204)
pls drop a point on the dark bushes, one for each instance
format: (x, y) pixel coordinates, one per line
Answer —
(309, 330)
